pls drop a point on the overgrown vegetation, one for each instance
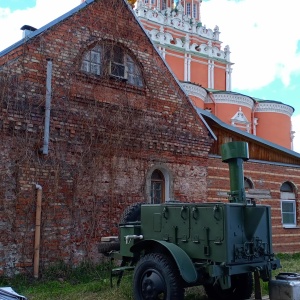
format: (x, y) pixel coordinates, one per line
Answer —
(91, 282)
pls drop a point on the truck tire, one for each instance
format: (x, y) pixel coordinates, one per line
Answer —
(131, 214)
(241, 288)
(157, 277)
(106, 247)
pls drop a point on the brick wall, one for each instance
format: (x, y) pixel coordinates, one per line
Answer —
(105, 136)
(265, 176)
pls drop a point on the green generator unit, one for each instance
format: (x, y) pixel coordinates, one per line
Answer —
(222, 246)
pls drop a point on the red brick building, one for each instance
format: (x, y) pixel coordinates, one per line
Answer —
(91, 115)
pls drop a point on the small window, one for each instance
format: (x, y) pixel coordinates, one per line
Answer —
(248, 184)
(288, 205)
(164, 4)
(188, 9)
(195, 11)
(286, 187)
(157, 187)
(288, 212)
(112, 61)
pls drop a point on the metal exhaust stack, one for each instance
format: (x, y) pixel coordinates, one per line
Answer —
(235, 153)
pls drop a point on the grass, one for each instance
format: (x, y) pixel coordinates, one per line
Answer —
(90, 282)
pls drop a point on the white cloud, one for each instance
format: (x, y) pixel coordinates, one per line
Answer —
(296, 128)
(44, 12)
(262, 36)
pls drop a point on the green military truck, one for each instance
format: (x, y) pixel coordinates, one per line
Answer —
(222, 246)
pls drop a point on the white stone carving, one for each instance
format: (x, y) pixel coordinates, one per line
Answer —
(239, 117)
(236, 99)
(176, 19)
(239, 120)
(169, 18)
(194, 90)
(274, 107)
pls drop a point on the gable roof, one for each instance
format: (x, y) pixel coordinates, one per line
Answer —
(77, 9)
(208, 115)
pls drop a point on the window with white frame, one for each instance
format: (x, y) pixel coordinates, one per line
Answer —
(288, 205)
(112, 61)
(188, 9)
(195, 11)
(288, 213)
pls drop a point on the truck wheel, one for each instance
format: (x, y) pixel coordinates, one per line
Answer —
(131, 214)
(241, 288)
(157, 277)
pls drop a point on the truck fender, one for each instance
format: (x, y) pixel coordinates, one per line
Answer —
(184, 263)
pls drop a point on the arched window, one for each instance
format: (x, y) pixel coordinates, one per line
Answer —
(157, 187)
(110, 60)
(288, 205)
(248, 184)
(159, 184)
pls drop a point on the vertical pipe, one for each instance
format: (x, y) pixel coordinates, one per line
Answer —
(235, 153)
(47, 106)
(37, 237)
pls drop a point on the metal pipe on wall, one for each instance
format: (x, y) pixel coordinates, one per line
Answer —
(37, 236)
(47, 106)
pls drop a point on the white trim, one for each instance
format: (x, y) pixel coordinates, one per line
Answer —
(275, 107)
(194, 90)
(290, 213)
(232, 99)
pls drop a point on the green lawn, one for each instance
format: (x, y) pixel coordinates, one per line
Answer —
(88, 282)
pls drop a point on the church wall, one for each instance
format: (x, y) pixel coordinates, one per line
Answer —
(199, 71)
(225, 111)
(176, 60)
(219, 77)
(274, 127)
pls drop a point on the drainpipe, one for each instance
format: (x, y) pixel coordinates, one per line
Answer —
(37, 237)
(47, 106)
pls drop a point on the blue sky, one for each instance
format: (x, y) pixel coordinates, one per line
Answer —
(17, 4)
(264, 41)
(263, 36)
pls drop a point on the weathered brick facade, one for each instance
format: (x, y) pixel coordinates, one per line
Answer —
(105, 137)
(265, 176)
